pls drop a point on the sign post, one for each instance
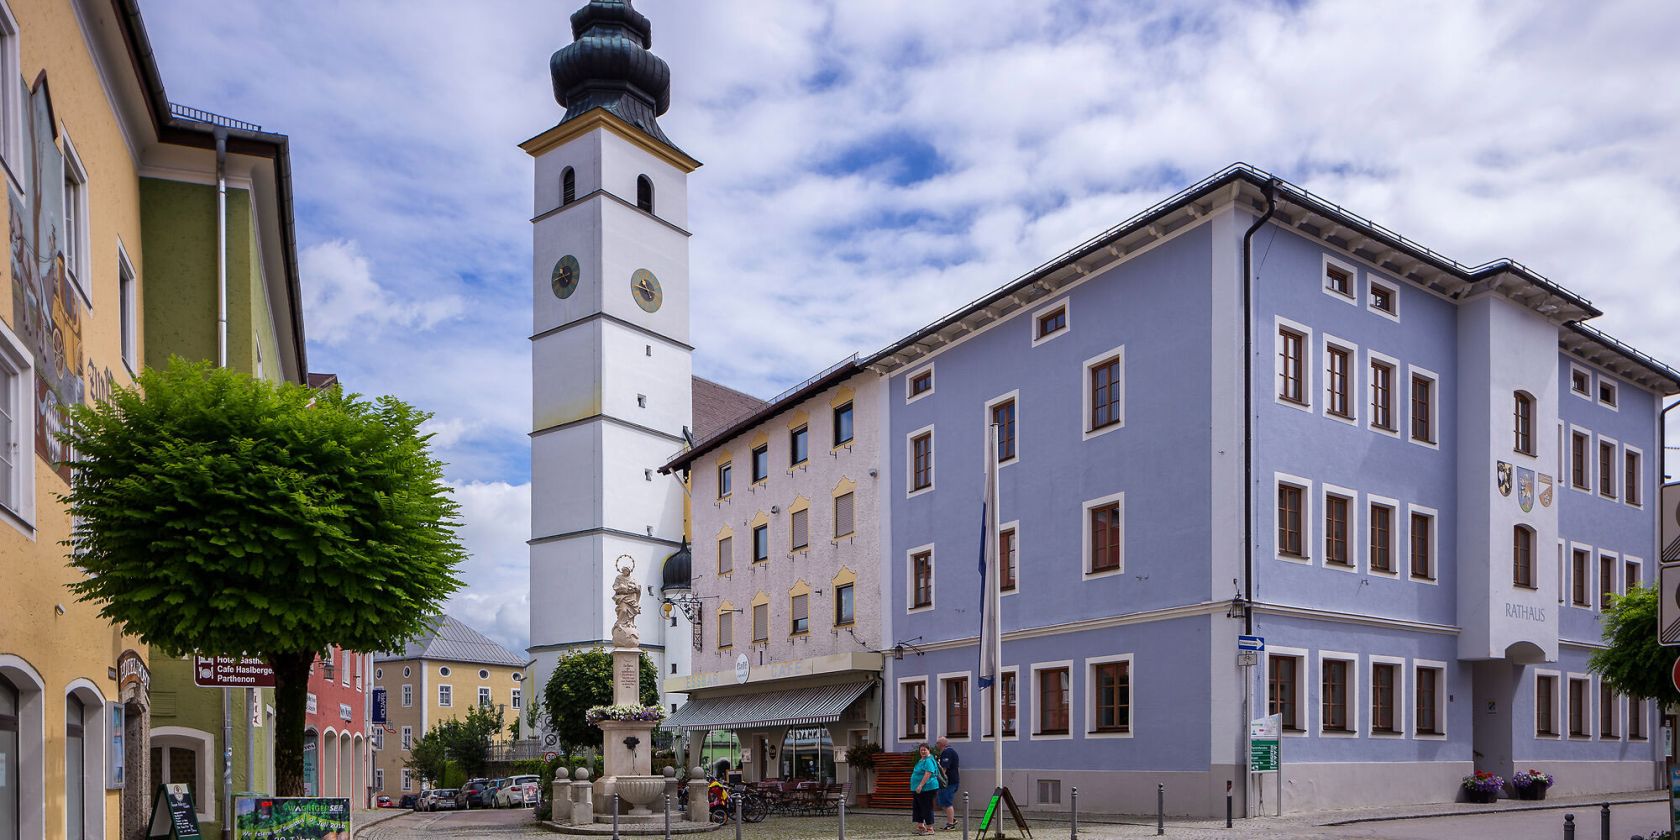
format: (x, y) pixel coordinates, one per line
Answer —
(232, 672)
(1265, 753)
(1249, 649)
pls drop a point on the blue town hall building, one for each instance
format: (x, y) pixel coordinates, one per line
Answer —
(1443, 471)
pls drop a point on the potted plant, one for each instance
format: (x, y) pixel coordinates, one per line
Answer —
(1531, 784)
(1483, 787)
(861, 757)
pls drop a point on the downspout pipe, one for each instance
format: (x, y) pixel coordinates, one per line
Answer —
(1270, 191)
(221, 248)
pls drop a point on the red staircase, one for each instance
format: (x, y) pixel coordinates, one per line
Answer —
(892, 781)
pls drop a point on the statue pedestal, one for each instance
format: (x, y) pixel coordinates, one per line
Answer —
(627, 752)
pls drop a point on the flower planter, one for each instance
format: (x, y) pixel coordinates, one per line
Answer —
(1532, 792)
(1480, 797)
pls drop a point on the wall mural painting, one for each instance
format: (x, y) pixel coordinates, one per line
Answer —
(46, 311)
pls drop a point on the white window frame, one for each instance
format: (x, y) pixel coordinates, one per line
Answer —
(930, 722)
(202, 744)
(128, 304)
(1306, 487)
(1640, 453)
(1591, 472)
(1591, 394)
(1599, 556)
(1279, 324)
(1638, 564)
(1301, 693)
(379, 778)
(408, 695)
(1352, 297)
(1065, 303)
(1441, 694)
(1434, 544)
(944, 726)
(1618, 713)
(1615, 392)
(407, 738)
(1352, 659)
(95, 735)
(516, 699)
(17, 501)
(1412, 372)
(78, 262)
(933, 383)
(1355, 393)
(11, 96)
(1119, 354)
(910, 463)
(1085, 572)
(1394, 556)
(1589, 718)
(1038, 702)
(1402, 708)
(446, 696)
(1615, 468)
(486, 697)
(1014, 525)
(1592, 577)
(910, 579)
(986, 427)
(1559, 723)
(1397, 413)
(1393, 295)
(1091, 695)
(1326, 490)
(407, 779)
(1006, 669)
(406, 672)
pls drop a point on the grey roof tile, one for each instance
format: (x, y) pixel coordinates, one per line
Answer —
(453, 641)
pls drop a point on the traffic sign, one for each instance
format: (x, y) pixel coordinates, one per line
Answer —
(1251, 643)
(1674, 674)
(550, 755)
(1668, 606)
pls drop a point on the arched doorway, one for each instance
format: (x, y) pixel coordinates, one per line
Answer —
(329, 763)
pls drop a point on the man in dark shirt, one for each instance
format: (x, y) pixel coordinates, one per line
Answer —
(948, 762)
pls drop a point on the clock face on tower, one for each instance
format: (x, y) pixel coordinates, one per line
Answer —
(565, 276)
(644, 288)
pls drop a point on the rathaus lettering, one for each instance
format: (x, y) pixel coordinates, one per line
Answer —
(1525, 612)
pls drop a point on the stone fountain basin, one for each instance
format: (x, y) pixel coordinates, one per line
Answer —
(640, 792)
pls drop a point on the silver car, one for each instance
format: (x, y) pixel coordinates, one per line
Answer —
(442, 799)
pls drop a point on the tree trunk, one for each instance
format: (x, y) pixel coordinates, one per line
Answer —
(291, 693)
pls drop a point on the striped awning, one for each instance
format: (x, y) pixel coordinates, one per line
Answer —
(793, 707)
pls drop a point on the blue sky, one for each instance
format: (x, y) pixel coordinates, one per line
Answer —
(872, 164)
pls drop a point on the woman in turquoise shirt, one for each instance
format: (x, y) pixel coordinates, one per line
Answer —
(924, 784)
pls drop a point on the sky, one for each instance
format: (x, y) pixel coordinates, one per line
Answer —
(871, 165)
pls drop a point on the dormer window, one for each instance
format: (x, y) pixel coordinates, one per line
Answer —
(644, 193)
(568, 187)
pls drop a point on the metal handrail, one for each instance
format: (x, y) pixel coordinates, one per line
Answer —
(200, 115)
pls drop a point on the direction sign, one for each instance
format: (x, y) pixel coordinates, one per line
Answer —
(231, 672)
(1674, 674)
(1668, 606)
(1263, 756)
(1251, 643)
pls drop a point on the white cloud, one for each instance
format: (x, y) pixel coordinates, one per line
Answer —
(496, 519)
(343, 300)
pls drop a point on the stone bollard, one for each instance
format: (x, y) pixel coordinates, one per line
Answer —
(562, 808)
(698, 808)
(670, 774)
(583, 798)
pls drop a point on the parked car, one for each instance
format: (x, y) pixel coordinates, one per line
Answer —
(519, 792)
(443, 799)
(491, 788)
(408, 800)
(470, 795)
(384, 801)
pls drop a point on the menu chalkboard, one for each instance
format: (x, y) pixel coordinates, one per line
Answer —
(174, 816)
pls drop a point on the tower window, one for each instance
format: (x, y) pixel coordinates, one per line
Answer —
(644, 193)
(568, 187)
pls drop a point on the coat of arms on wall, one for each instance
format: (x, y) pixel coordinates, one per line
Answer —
(1504, 479)
(1525, 489)
(1545, 490)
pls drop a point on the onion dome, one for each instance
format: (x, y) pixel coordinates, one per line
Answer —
(608, 65)
(677, 571)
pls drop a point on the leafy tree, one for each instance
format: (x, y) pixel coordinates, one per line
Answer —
(428, 757)
(221, 514)
(467, 739)
(1634, 663)
(584, 679)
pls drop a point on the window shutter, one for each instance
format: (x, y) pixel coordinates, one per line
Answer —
(843, 515)
(801, 532)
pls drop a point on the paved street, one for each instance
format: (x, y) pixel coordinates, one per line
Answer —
(1626, 821)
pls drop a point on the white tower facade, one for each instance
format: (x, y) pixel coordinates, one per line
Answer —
(611, 370)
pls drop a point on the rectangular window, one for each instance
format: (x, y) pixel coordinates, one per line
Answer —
(74, 244)
(1630, 577)
(1383, 696)
(1606, 580)
(1006, 682)
(1333, 692)
(1291, 363)
(1523, 423)
(761, 543)
(128, 312)
(1339, 383)
(1382, 395)
(844, 606)
(1606, 711)
(446, 696)
(17, 390)
(1111, 684)
(843, 515)
(1636, 719)
(483, 696)
(761, 622)
(1631, 477)
(843, 424)
(1382, 299)
(799, 445)
(921, 383)
(1580, 381)
(407, 779)
(921, 580)
(1522, 557)
(1338, 280)
(1289, 513)
(956, 707)
(1607, 469)
(726, 555)
(1607, 392)
(1545, 705)
(1105, 394)
(760, 463)
(1336, 531)
(915, 710)
(408, 696)
(1283, 690)
(407, 738)
(921, 461)
(1428, 690)
(1052, 322)
(1003, 417)
(1422, 550)
(1105, 538)
(801, 610)
(725, 485)
(726, 630)
(1578, 708)
(1578, 460)
(516, 698)
(799, 526)
(1423, 407)
(1382, 538)
(1006, 560)
(1053, 701)
(1580, 570)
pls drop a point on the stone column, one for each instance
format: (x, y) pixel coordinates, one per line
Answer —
(699, 806)
(582, 804)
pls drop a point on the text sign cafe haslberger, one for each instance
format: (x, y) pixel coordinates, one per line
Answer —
(231, 672)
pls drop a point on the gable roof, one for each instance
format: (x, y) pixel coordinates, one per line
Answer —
(454, 641)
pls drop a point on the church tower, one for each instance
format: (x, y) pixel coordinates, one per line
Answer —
(610, 355)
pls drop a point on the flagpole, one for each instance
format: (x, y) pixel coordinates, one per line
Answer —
(995, 595)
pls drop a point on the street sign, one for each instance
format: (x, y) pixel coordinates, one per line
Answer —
(1247, 658)
(1255, 643)
(379, 706)
(231, 672)
(1674, 674)
(550, 755)
(1668, 606)
(1263, 756)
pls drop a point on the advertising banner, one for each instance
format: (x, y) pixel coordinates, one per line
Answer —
(283, 818)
